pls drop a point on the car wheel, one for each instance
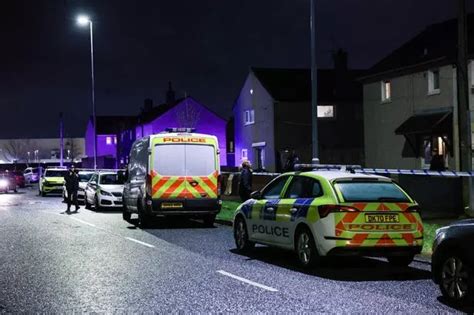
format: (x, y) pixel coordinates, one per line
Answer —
(400, 261)
(456, 281)
(87, 205)
(209, 220)
(306, 250)
(127, 216)
(241, 236)
(96, 204)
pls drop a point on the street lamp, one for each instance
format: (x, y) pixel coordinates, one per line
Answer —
(84, 20)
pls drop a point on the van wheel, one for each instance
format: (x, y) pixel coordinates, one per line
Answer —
(306, 250)
(209, 220)
(241, 236)
(126, 216)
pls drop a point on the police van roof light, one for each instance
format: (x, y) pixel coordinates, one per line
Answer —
(189, 130)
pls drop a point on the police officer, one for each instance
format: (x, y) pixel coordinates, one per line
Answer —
(245, 186)
(71, 180)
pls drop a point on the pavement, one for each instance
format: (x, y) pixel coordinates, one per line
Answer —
(53, 262)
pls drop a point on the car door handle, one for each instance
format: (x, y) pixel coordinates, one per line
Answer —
(270, 209)
(294, 210)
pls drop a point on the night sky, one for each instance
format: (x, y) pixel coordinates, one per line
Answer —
(204, 47)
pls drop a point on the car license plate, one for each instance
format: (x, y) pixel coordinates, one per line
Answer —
(382, 218)
(171, 205)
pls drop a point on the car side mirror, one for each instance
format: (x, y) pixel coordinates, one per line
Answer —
(256, 195)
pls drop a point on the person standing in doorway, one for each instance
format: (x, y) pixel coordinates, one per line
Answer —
(245, 186)
(71, 180)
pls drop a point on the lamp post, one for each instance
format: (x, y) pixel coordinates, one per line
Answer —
(83, 20)
(314, 86)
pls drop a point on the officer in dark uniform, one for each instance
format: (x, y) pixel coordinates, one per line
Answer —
(71, 180)
(245, 186)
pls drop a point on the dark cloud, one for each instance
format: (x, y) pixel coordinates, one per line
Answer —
(205, 47)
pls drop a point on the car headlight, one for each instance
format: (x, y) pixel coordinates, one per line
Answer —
(3, 183)
(105, 193)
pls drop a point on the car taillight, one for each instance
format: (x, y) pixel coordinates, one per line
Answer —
(327, 209)
(413, 209)
(219, 178)
(148, 183)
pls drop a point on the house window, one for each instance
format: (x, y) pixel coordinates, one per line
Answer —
(249, 117)
(108, 140)
(433, 82)
(130, 132)
(386, 90)
(326, 111)
(115, 140)
(245, 154)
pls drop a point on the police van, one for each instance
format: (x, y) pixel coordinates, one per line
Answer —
(174, 173)
(321, 213)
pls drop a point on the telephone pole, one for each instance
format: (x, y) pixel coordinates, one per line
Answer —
(314, 84)
(464, 117)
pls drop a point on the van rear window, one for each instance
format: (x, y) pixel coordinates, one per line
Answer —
(371, 192)
(184, 160)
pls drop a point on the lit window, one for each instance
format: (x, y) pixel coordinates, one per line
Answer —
(245, 155)
(326, 111)
(386, 91)
(115, 140)
(249, 117)
(433, 81)
(251, 91)
(108, 140)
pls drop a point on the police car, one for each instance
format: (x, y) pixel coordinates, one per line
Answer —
(321, 213)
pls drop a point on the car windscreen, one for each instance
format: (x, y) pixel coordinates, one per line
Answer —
(111, 179)
(371, 191)
(84, 177)
(184, 160)
(55, 173)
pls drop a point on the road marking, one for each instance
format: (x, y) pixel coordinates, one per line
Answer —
(84, 222)
(225, 273)
(140, 242)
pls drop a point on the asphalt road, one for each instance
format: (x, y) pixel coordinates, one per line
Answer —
(95, 262)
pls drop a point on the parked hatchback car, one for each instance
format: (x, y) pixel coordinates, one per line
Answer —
(31, 175)
(452, 262)
(104, 190)
(84, 177)
(7, 183)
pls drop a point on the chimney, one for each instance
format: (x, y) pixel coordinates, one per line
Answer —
(340, 60)
(170, 95)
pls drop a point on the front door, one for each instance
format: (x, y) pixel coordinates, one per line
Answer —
(263, 227)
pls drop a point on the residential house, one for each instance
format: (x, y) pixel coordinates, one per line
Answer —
(410, 101)
(273, 116)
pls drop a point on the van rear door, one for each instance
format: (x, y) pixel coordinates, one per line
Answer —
(202, 170)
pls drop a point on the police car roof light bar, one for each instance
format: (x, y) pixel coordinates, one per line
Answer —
(327, 167)
(188, 130)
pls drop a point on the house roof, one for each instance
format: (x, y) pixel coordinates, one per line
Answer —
(294, 85)
(114, 124)
(159, 110)
(436, 44)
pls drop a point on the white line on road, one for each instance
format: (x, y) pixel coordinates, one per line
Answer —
(84, 222)
(140, 242)
(225, 273)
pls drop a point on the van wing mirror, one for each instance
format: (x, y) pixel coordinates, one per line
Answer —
(256, 195)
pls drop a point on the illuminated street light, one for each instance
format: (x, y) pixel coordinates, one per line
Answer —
(84, 20)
